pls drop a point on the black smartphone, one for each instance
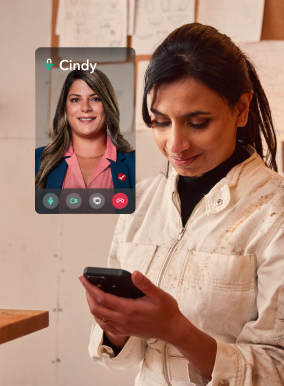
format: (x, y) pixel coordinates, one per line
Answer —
(114, 281)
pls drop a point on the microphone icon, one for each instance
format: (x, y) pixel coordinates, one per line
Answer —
(49, 64)
(50, 200)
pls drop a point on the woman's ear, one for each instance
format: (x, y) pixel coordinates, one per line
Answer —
(243, 109)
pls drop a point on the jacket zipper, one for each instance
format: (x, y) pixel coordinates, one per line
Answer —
(171, 251)
(181, 233)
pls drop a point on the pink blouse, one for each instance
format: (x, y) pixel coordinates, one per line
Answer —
(101, 177)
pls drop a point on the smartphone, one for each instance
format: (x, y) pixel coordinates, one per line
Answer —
(114, 281)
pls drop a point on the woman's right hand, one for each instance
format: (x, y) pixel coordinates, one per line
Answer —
(97, 310)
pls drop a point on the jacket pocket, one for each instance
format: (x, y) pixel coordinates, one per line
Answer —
(136, 256)
(216, 292)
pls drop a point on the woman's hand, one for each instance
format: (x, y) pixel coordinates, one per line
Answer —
(153, 316)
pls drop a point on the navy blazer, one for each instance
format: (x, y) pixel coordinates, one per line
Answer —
(125, 163)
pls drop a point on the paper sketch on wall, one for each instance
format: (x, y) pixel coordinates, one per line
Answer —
(155, 19)
(122, 79)
(92, 23)
(241, 20)
(142, 65)
(268, 57)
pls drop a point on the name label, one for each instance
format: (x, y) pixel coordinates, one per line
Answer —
(77, 66)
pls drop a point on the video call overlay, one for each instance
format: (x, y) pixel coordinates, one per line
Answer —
(85, 130)
(88, 201)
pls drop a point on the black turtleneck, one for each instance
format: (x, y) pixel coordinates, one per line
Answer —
(192, 189)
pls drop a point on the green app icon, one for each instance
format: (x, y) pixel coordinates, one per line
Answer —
(49, 64)
(73, 200)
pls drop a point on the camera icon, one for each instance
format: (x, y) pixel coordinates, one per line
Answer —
(73, 200)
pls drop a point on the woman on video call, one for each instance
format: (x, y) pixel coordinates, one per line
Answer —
(206, 240)
(88, 149)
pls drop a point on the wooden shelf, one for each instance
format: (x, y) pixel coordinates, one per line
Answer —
(17, 323)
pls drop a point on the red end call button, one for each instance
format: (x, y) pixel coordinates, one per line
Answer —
(119, 201)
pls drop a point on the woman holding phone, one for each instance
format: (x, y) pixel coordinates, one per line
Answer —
(206, 241)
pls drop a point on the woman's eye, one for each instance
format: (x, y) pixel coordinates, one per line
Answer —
(96, 99)
(155, 123)
(199, 125)
(73, 100)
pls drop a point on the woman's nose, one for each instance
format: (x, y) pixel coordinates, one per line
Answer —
(86, 106)
(178, 140)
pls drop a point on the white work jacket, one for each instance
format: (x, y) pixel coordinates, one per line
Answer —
(225, 268)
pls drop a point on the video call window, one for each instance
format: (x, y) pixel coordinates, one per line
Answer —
(85, 133)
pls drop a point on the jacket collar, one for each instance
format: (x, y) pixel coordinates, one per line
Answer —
(110, 152)
(219, 196)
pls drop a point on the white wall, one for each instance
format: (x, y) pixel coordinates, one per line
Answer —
(28, 243)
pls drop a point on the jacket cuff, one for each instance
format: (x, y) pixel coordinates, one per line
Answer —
(228, 365)
(131, 354)
(96, 340)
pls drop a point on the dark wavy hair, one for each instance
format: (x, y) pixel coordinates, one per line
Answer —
(55, 150)
(202, 53)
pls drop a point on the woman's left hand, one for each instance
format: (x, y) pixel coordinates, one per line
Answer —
(155, 315)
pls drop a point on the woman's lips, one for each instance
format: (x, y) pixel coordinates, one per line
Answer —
(183, 161)
(86, 120)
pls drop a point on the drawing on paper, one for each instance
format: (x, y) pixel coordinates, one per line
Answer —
(156, 19)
